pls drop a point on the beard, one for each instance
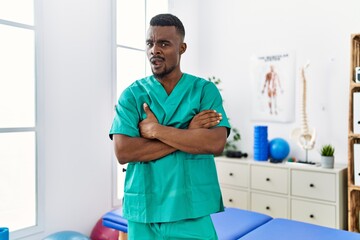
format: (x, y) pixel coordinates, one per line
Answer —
(164, 73)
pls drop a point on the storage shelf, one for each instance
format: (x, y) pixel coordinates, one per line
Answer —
(353, 136)
(353, 187)
(353, 190)
(354, 85)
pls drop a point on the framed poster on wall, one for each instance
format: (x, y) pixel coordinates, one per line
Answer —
(273, 80)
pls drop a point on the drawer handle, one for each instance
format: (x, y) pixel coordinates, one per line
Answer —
(268, 179)
(312, 216)
(267, 208)
(231, 174)
(230, 200)
(312, 185)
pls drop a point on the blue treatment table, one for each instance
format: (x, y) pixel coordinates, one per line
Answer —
(231, 224)
(285, 229)
(234, 223)
(115, 220)
(238, 224)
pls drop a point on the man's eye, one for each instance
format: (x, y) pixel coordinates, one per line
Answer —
(164, 44)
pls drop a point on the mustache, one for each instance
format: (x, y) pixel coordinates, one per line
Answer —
(154, 58)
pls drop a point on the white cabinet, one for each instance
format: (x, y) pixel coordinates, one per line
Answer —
(233, 197)
(356, 115)
(316, 185)
(316, 213)
(234, 181)
(356, 160)
(233, 173)
(301, 192)
(269, 179)
(275, 206)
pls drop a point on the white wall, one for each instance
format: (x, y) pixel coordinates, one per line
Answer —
(77, 103)
(229, 32)
(189, 15)
(221, 35)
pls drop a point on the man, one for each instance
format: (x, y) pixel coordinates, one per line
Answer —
(168, 127)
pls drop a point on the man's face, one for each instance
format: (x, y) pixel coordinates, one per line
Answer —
(164, 47)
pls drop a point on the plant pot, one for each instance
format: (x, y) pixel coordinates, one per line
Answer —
(327, 161)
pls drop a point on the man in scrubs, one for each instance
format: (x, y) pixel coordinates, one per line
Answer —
(168, 127)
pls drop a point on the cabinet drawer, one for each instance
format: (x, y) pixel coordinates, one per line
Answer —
(236, 174)
(269, 179)
(313, 185)
(320, 214)
(276, 207)
(234, 198)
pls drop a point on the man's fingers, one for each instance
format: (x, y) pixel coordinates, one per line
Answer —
(209, 114)
(211, 122)
(206, 119)
(206, 112)
(149, 114)
(146, 107)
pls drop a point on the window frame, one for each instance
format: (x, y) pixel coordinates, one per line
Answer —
(116, 166)
(38, 125)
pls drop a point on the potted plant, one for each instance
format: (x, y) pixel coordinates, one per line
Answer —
(327, 156)
(230, 149)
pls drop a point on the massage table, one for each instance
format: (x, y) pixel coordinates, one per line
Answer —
(233, 223)
(286, 229)
(239, 224)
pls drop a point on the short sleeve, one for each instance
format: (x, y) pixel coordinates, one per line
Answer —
(211, 99)
(126, 118)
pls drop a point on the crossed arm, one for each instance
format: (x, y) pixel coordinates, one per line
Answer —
(157, 140)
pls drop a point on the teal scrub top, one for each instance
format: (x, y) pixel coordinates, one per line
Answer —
(180, 185)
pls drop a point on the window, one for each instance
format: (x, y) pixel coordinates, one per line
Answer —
(18, 130)
(132, 20)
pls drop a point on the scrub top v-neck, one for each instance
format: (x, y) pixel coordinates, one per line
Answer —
(179, 185)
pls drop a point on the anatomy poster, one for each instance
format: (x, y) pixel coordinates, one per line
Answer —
(273, 79)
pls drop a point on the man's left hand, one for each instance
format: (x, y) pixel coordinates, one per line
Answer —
(148, 125)
(205, 119)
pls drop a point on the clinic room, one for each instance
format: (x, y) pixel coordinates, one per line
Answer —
(179, 119)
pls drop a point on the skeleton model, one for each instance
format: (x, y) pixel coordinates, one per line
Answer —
(304, 136)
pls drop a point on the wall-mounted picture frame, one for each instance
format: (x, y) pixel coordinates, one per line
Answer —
(273, 84)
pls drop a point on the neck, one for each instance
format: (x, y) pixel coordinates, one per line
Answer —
(169, 81)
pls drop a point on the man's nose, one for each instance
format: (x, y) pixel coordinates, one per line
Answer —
(155, 50)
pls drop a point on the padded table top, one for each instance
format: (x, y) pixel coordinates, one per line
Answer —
(234, 223)
(229, 225)
(285, 229)
(114, 219)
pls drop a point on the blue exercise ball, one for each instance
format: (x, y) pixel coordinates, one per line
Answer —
(67, 235)
(278, 149)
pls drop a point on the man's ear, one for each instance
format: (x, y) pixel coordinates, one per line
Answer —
(183, 47)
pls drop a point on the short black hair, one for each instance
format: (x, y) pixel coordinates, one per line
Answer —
(167, 19)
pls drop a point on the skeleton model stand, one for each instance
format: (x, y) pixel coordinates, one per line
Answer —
(304, 137)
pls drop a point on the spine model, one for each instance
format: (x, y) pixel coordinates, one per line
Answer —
(304, 136)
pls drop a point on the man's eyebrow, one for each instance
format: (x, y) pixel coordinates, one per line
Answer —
(159, 40)
(163, 41)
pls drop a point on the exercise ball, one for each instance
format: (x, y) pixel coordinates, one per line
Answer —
(67, 235)
(100, 232)
(278, 149)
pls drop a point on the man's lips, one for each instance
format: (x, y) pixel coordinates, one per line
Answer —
(156, 60)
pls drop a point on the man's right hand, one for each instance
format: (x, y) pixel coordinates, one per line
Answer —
(205, 119)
